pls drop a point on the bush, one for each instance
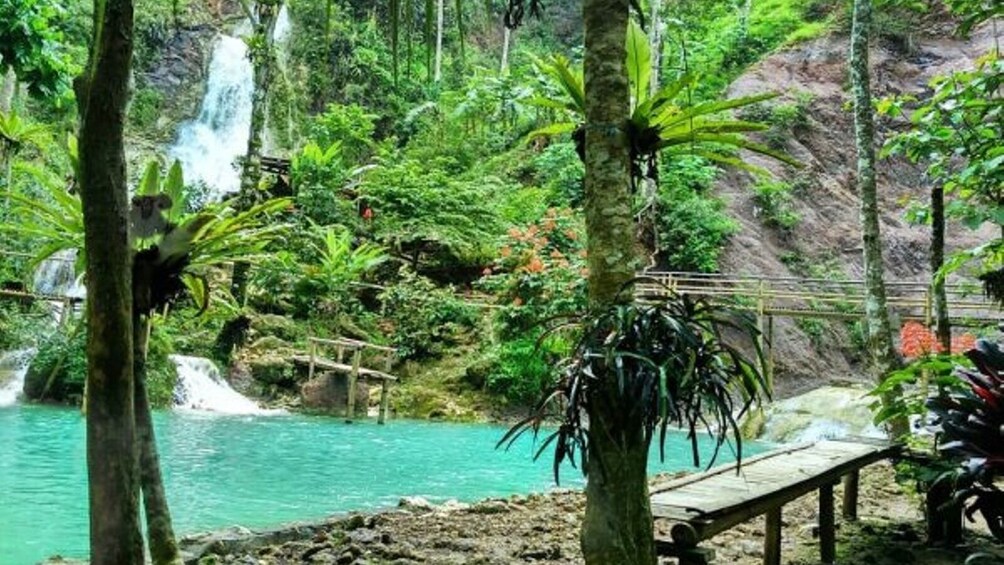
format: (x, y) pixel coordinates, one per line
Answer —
(559, 170)
(775, 205)
(540, 274)
(58, 371)
(425, 319)
(524, 370)
(145, 108)
(692, 229)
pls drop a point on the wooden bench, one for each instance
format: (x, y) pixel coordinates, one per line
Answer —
(705, 504)
(355, 371)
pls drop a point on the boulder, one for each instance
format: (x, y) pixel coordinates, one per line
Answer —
(328, 393)
(272, 370)
(827, 412)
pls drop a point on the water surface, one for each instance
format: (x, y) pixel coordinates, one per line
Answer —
(258, 471)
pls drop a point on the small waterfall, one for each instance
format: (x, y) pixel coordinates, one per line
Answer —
(282, 25)
(13, 368)
(208, 146)
(55, 276)
(200, 387)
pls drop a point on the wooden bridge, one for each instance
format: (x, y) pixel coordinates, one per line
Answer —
(794, 297)
(355, 370)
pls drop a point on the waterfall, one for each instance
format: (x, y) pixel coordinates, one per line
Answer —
(200, 387)
(13, 368)
(55, 276)
(209, 145)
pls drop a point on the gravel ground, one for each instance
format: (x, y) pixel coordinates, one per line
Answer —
(544, 529)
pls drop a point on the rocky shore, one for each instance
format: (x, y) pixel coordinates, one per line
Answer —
(544, 529)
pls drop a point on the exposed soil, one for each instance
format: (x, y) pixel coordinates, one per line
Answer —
(824, 190)
(545, 528)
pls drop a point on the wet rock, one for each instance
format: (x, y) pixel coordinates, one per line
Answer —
(490, 507)
(364, 536)
(415, 504)
(328, 393)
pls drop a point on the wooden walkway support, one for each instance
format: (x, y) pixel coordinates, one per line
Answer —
(354, 369)
(705, 504)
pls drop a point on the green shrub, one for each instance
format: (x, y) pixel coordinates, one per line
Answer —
(350, 125)
(775, 205)
(425, 319)
(692, 229)
(161, 372)
(559, 170)
(523, 370)
(58, 371)
(145, 108)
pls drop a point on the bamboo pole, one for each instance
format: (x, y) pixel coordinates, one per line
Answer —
(350, 412)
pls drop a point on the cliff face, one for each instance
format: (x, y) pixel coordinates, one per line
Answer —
(827, 237)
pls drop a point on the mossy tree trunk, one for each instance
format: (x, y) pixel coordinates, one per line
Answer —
(942, 327)
(618, 523)
(159, 527)
(263, 63)
(880, 343)
(440, 8)
(112, 455)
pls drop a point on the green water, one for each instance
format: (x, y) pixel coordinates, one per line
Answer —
(258, 471)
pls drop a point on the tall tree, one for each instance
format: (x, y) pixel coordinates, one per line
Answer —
(112, 456)
(439, 39)
(880, 343)
(617, 527)
(261, 47)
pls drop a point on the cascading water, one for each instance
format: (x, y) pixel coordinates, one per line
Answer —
(208, 146)
(55, 276)
(13, 368)
(200, 387)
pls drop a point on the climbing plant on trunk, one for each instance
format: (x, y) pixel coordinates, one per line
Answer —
(261, 49)
(112, 455)
(885, 360)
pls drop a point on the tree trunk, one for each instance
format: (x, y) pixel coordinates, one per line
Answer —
(439, 40)
(655, 24)
(618, 524)
(7, 88)
(263, 63)
(611, 253)
(943, 329)
(880, 343)
(506, 36)
(112, 456)
(159, 528)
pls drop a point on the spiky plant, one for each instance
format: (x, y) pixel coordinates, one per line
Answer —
(971, 431)
(663, 365)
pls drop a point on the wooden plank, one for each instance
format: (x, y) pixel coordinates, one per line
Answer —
(328, 365)
(809, 469)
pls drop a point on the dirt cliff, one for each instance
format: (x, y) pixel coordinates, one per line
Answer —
(827, 237)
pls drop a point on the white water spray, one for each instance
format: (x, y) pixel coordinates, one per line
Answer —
(200, 387)
(13, 368)
(208, 146)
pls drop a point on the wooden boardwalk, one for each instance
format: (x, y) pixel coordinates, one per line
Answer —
(708, 503)
(354, 370)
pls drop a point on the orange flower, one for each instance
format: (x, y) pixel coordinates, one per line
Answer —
(557, 254)
(506, 251)
(535, 265)
(570, 234)
(514, 233)
(584, 272)
(486, 272)
(915, 340)
(963, 343)
(532, 231)
(517, 301)
(549, 225)
(552, 212)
